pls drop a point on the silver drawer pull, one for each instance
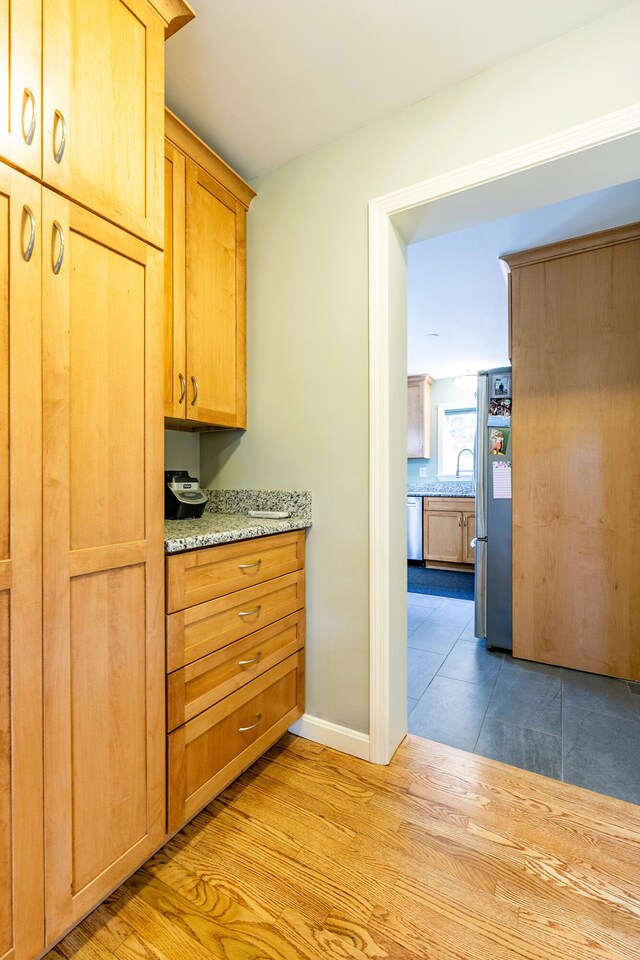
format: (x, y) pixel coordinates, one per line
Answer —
(58, 118)
(246, 566)
(252, 726)
(31, 100)
(256, 659)
(183, 386)
(55, 265)
(28, 253)
(250, 613)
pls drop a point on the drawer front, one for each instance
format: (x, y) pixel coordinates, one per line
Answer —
(466, 504)
(200, 630)
(211, 750)
(207, 681)
(200, 575)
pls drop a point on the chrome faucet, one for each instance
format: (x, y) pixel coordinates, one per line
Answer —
(464, 450)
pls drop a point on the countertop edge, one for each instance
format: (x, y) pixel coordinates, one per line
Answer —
(266, 528)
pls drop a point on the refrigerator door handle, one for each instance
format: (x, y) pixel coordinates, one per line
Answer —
(480, 607)
(481, 463)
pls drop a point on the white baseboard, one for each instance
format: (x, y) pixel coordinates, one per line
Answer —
(332, 735)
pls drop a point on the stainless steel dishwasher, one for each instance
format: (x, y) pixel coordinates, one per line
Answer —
(414, 529)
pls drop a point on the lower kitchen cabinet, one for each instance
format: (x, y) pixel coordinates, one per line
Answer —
(102, 558)
(21, 789)
(449, 528)
(236, 664)
(209, 751)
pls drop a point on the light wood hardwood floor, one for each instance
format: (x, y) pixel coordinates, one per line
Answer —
(440, 855)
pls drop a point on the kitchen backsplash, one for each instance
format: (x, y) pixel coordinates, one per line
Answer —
(296, 502)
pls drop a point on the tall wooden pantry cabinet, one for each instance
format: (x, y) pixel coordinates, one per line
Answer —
(575, 339)
(82, 780)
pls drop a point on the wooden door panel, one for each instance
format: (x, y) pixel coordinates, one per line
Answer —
(103, 558)
(20, 84)
(106, 355)
(443, 536)
(576, 507)
(108, 719)
(103, 80)
(6, 808)
(215, 332)
(21, 826)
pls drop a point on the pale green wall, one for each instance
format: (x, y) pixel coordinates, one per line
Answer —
(308, 313)
(182, 451)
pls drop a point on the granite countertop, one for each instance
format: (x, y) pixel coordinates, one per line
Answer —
(226, 518)
(440, 488)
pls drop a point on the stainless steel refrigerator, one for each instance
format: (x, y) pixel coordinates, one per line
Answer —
(493, 595)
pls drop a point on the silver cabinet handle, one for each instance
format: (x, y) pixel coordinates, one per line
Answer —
(28, 134)
(57, 154)
(27, 254)
(183, 385)
(246, 566)
(464, 521)
(251, 726)
(460, 521)
(250, 613)
(256, 659)
(56, 264)
(195, 391)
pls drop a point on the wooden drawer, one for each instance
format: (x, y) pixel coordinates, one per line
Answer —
(211, 750)
(457, 504)
(200, 630)
(200, 575)
(207, 681)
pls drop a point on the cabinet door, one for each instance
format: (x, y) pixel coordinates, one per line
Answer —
(215, 291)
(469, 532)
(103, 557)
(20, 84)
(419, 416)
(21, 826)
(443, 536)
(103, 81)
(175, 384)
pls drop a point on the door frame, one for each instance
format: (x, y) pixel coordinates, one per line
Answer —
(387, 427)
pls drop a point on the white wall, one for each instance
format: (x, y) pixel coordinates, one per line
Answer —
(308, 312)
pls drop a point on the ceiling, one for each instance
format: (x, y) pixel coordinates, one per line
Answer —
(457, 285)
(265, 81)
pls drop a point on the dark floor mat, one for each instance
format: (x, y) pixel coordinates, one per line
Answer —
(440, 583)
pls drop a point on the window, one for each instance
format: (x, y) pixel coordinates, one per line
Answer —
(456, 441)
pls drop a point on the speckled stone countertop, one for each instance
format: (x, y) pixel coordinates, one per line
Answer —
(440, 488)
(226, 518)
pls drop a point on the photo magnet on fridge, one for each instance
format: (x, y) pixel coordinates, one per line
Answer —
(499, 412)
(498, 443)
(501, 385)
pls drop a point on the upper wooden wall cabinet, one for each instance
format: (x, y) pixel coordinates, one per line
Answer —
(205, 277)
(81, 101)
(419, 416)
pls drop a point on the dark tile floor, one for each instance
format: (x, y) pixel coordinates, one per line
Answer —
(568, 725)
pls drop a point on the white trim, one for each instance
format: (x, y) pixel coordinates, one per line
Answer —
(594, 133)
(332, 735)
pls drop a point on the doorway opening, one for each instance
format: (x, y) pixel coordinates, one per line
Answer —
(464, 687)
(397, 223)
